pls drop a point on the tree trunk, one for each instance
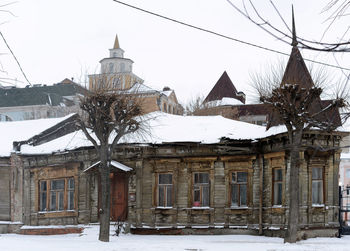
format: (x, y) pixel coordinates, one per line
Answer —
(105, 195)
(293, 217)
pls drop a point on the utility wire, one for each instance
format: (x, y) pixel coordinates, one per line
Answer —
(19, 65)
(224, 36)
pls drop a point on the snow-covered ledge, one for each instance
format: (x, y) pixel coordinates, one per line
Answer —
(114, 163)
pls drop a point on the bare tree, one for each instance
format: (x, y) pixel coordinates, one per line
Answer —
(294, 101)
(337, 9)
(110, 115)
(194, 105)
(249, 11)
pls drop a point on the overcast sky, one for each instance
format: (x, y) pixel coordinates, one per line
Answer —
(55, 39)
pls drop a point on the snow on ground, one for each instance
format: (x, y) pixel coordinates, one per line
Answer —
(88, 242)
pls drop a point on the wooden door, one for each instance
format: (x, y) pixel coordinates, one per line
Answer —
(119, 203)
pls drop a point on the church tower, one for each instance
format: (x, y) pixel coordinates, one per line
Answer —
(116, 71)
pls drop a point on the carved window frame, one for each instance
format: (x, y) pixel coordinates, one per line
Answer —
(201, 188)
(234, 182)
(165, 187)
(46, 191)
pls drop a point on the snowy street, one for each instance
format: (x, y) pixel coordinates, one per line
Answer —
(88, 241)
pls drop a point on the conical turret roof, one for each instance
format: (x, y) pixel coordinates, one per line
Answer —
(296, 71)
(223, 88)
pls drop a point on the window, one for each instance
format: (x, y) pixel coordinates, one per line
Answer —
(239, 189)
(56, 195)
(70, 200)
(110, 67)
(201, 190)
(43, 196)
(277, 186)
(347, 174)
(122, 67)
(165, 190)
(317, 185)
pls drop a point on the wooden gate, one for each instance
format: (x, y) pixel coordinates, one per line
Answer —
(119, 203)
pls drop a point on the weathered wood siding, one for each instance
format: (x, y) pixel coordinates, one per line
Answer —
(5, 192)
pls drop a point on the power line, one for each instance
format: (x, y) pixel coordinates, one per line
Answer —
(224, 36)
(19, 65)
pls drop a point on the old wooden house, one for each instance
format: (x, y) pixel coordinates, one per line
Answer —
(194, 174)
(232, 180)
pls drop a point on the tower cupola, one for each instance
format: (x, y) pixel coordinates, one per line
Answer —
(116, 51)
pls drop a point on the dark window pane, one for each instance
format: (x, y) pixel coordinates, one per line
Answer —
(205, 196)
(52, 201)
(201, 178)
(196, 194)
(60, 201)
(204, 178)
(243, 195)
(277, 193)
(196, 178)
(242, 177)
(71, 184)
(43, 186)
(43, 201)
(317, 173)
(70, 200)
(165, 178)
(234, 195)
(169, 202)
(57, 184)
(278, 175)
(161, 196)
(234, 177)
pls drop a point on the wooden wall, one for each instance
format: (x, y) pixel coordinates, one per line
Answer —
(4, 190)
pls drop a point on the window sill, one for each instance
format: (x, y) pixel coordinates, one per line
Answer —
(239, 207)
(277, 206)
(53, 214)
(165, 208)
(200, 208)
(317, 205)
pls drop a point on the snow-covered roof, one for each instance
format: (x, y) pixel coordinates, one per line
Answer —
(23, 130)
(140, 88)
(167, 93)
(144, 89)
(163, 128)
(224, 101)
(168, 128)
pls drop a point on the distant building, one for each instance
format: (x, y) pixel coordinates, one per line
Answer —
(116, 71)
(225, 100)
(40, 101)
(155, 100)
(116, 75)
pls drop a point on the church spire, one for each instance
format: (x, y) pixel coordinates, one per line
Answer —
(294, 39)
(116, 42)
